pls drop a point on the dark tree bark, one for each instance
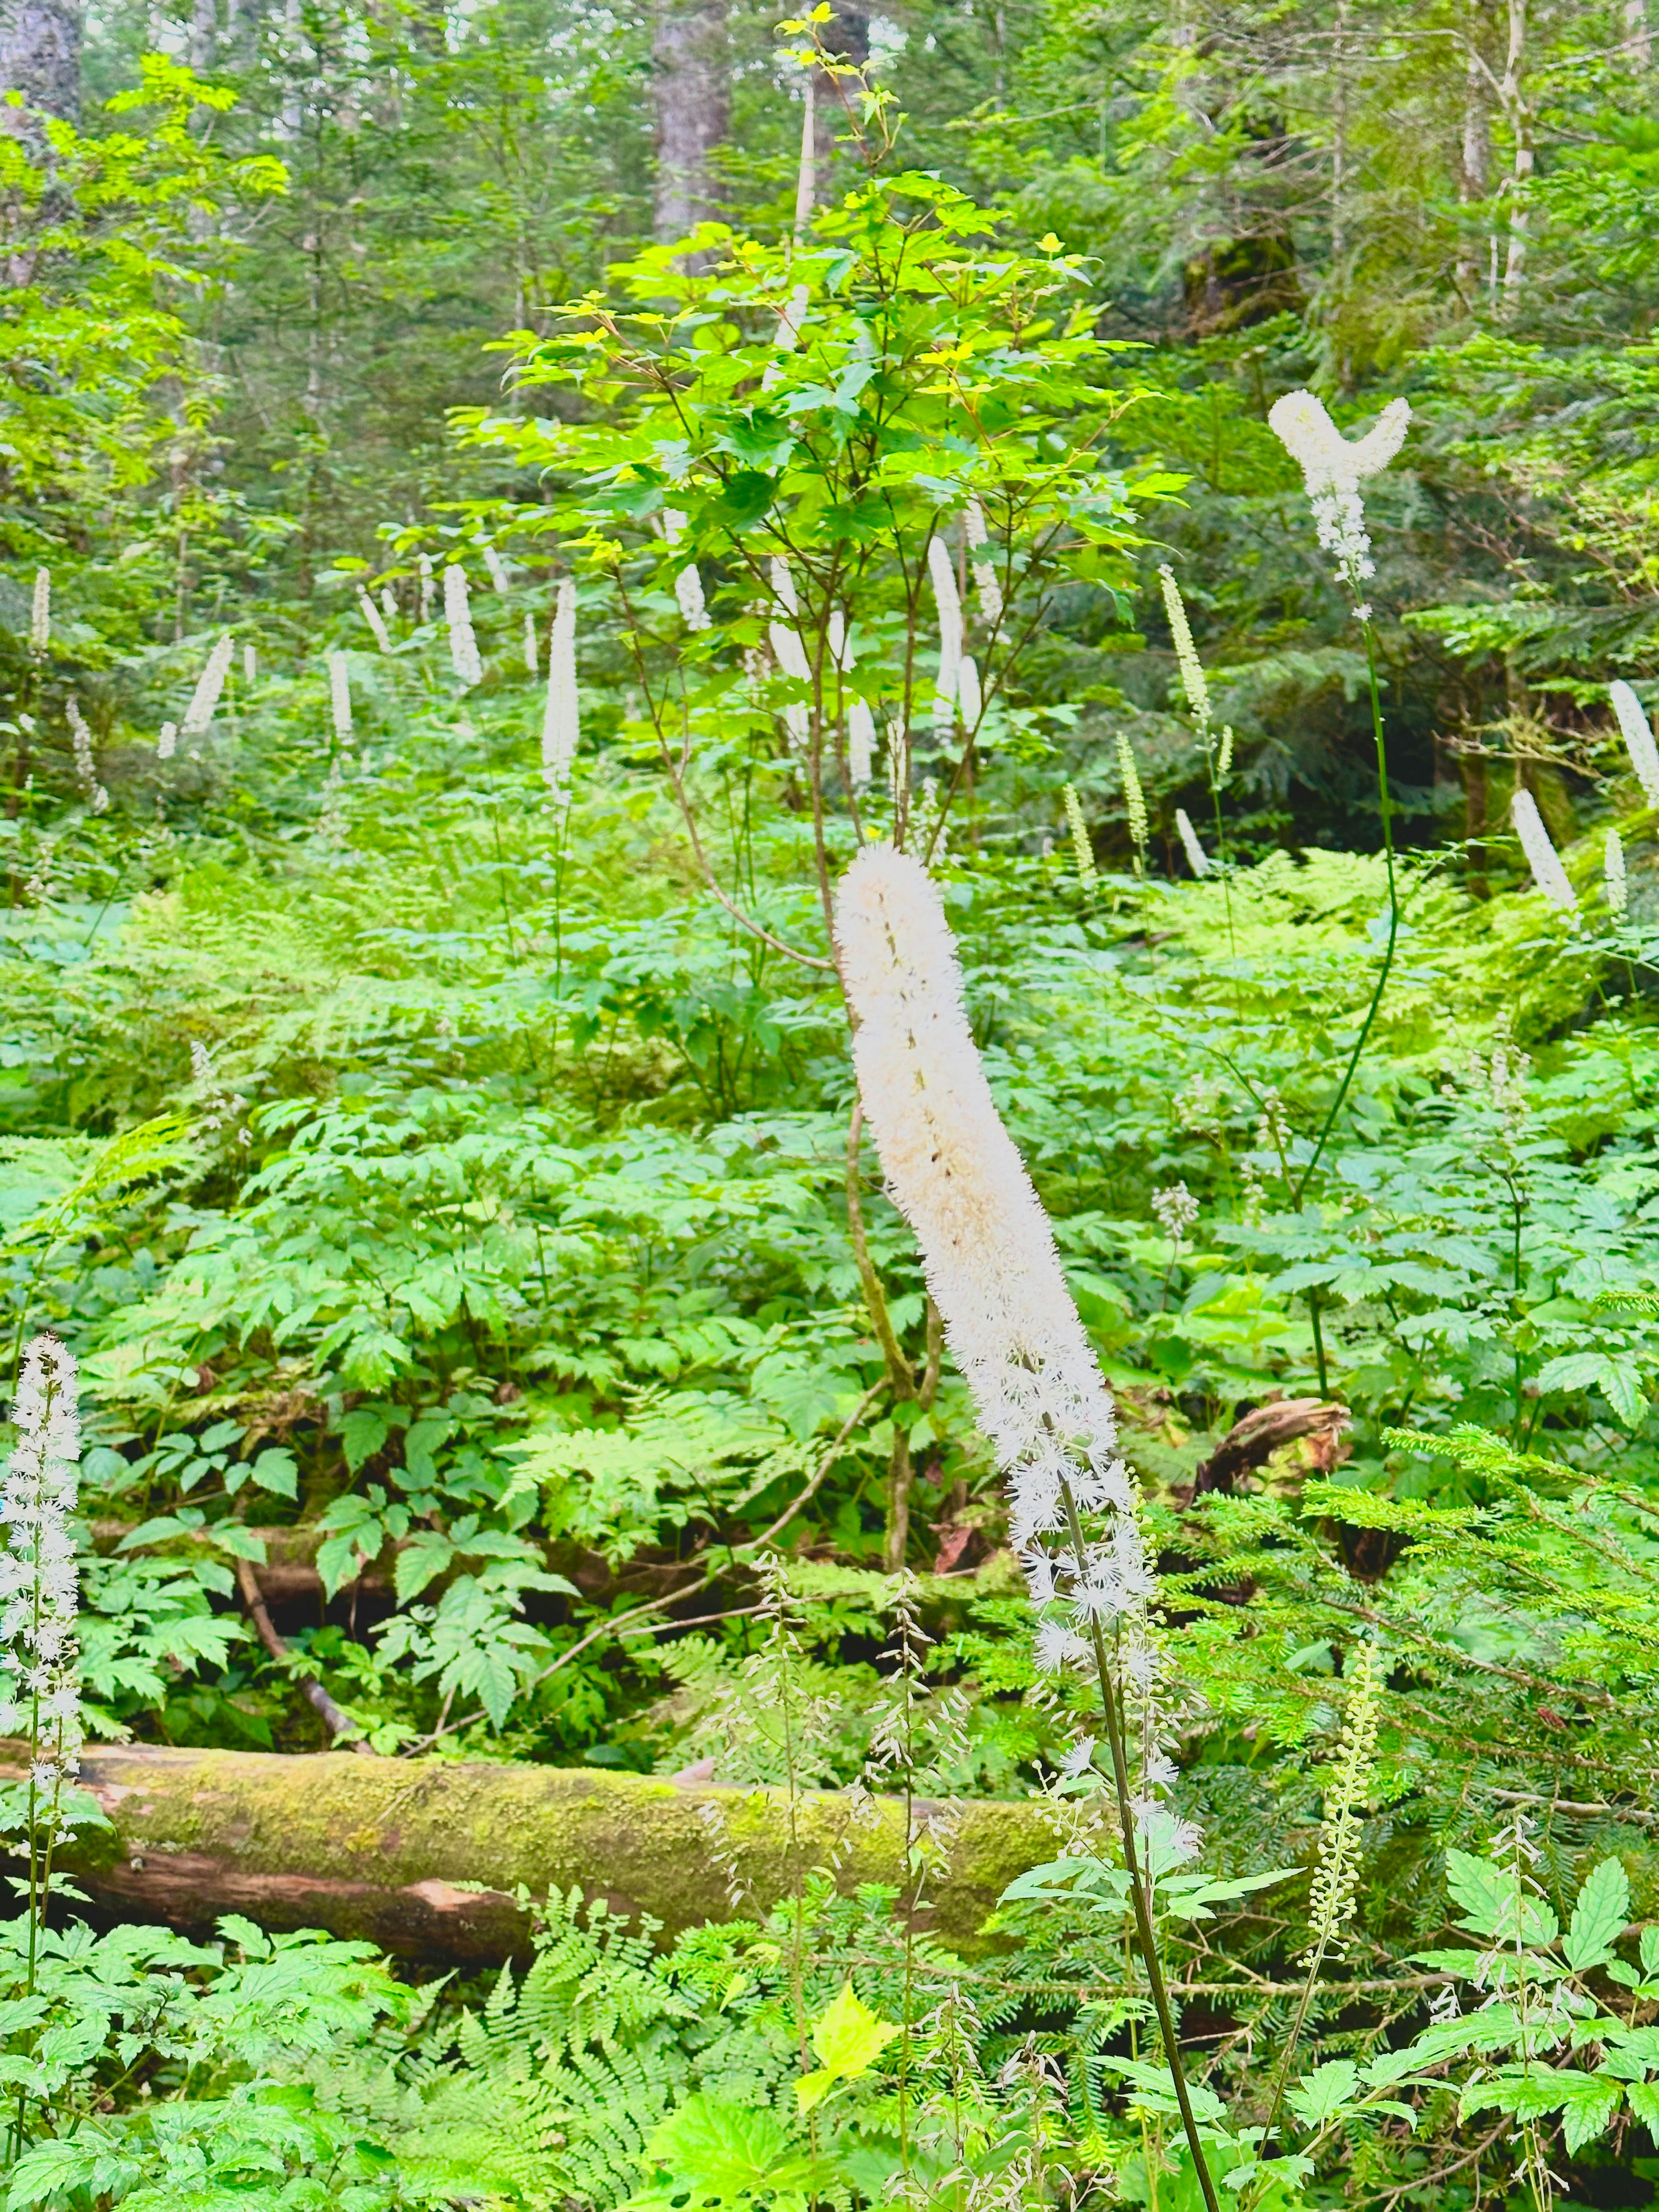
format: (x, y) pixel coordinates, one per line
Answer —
(692, 90)
(41, 57)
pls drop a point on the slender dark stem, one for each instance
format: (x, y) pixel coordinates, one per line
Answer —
(1139, 1890)
(1394, 922)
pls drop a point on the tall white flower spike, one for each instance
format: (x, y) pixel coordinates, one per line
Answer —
(988, 1250)
(1638, 734)
(1332, 469)
(1542, 858)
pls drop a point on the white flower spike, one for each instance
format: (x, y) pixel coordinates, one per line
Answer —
(1638, 734)
(1542, 858)
(1332, 469)
(987, 1249)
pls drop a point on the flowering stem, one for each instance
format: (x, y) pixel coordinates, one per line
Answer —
(1139, 1889)
(1363, 1037)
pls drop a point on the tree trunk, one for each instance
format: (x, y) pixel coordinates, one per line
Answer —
(41, 57)
(1475, 175)
(692, 88)
(380, 1848)
(1517, 110)
(1637, 32)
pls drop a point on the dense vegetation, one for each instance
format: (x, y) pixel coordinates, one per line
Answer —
(452, 644)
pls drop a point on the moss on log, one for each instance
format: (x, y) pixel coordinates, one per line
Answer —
(380, 1847)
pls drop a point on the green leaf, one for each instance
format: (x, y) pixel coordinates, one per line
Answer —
(725, 2154)
(1598, 1917)
(1322, 2094)
(848, 2039)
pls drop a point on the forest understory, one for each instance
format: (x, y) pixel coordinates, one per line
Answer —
(828, 1198)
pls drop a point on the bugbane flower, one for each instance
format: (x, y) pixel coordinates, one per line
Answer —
(167, 740)
(340, 696)
(205, 699)
(982, 561)
(1618, 882)
(1197, 859)
(1542, 858)
(1080, 846)
(250, 662)
(493, 562)
(688, 590)
(688, 585)
(967, 692)
(86, 764)
(988, 1250)
(457, 613)
(790, 653)
(1332, 469)
(1134, 799)
(561, 716)
(40, 1668)
(1191, 669)
(376, 621)
(948, 601)
(532, 658)
(860, 744)
(41, 611)
(1639, 738)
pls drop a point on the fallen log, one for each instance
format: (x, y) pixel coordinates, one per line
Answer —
(388, 1849)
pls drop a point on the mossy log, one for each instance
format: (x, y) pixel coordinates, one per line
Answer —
(380, 1848)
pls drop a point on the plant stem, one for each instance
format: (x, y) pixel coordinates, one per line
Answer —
(1394, 922)
(1144, 1942)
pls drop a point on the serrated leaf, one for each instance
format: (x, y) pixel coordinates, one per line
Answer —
(1599, 1916)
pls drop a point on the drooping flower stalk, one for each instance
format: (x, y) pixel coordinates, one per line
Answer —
(949, 603)
(250, 662)
(533, 658)
(1638, 734)
(986, 582)
(860, 744)
(493, 562)
(167, 740)
(1332, 469)
(561, 716)
(993, 1271)
(39, 1668)
(205, 700)
(1197, 859)
(1542, 858)
(376, 621)
(1618, 882)
(457, 613)
(1081, 847)
(1134, 800)
(40, 611)
(340, 696)
(423, 564)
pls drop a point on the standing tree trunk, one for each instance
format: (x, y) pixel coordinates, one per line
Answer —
(692, 88)
(1517, 110)
(41, 57)
(1474, 175)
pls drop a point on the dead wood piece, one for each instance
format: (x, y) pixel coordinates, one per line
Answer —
(384, 1849)
(338, 1722)
(1253, 1441)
